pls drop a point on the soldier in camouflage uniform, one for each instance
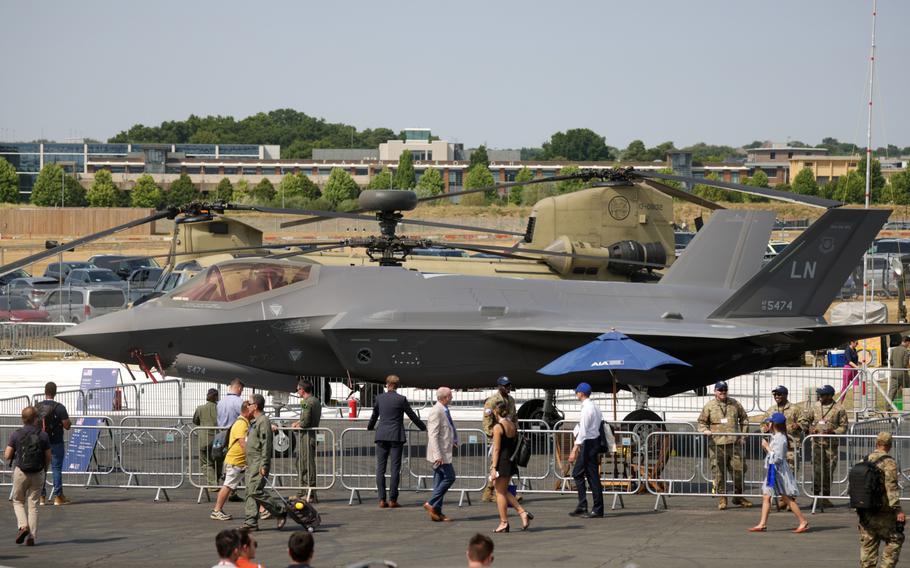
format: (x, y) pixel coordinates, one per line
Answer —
(718, 419)
(825, 417)
(504, 386)
(310, 414)
(797, 422)
(883, 524)
(259, 444)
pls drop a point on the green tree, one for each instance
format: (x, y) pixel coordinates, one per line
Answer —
(477, 177)
(103, 192)
(224, 191)
(405, 176)
(516, 191)
(851, 188)
(877, 180)
(430, 184)
(900, 188)
(382, 180)
(242, 190)
(577, 144)
(670, 182)
(181, 192)
(340, 186)
(635, 152)
(297, 185)
(9, 182)
(710, 192)
(758, 179)
(479, 156)
(47, 188)
(146, 193)
(264, 192)
(804, 183)
(570, 185)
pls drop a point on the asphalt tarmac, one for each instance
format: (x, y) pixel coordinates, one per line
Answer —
(104, 527)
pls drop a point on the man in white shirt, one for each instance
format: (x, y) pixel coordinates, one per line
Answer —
(585, 455)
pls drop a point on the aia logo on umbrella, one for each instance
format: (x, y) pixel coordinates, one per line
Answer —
(609, 363)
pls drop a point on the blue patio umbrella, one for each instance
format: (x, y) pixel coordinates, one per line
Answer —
(610, 352)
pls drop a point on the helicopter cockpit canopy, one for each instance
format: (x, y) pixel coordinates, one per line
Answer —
(234, 281)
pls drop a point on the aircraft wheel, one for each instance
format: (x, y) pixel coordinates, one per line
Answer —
(533, 410)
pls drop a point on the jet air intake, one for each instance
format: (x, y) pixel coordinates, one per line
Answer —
(591, 258)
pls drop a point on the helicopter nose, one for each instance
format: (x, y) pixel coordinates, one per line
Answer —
(108, 336)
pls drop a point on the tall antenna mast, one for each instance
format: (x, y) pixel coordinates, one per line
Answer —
(869, 150)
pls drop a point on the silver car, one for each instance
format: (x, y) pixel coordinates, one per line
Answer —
(77, 304)
(86, 277)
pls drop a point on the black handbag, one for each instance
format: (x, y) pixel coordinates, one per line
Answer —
(522, 454)
(603, 442)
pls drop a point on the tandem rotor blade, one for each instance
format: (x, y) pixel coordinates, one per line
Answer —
(356, 217)
(682, 194)
(6, 268)
(494, 249)
(810, 200)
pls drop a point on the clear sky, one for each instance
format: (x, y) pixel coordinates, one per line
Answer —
(507, 73)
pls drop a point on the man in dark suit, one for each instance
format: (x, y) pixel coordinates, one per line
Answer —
(389, 409)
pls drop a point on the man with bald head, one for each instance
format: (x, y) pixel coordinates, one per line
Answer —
(442, 439)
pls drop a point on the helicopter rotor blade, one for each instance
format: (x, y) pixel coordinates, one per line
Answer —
(494, 249)
(305, 252)
(356, 217)
(790, 197)
(6, 268)
(682, 194)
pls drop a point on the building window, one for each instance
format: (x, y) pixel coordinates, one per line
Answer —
(249, 171)
(735, 177)
(238, 150)
(194, 170)
(231, 171)
(807, 165)
(772, 155)
(361, 171)
(325, 171)
(822, 180)
(771, 173)
(789, 155)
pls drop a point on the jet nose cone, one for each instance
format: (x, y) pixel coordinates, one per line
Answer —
(107, 336)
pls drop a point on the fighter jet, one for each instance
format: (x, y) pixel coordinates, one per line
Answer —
(269, 320)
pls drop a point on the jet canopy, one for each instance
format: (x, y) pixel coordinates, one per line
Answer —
(234, 281)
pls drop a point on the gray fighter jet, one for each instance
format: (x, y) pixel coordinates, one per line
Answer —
(270, 320)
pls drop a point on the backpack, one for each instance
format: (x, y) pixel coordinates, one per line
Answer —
(30, 453)
(219, 447)
(866, 486)
(522, 454)
(47, 414)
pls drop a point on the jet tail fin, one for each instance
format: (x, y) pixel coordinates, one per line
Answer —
(805, 278)
(726, 253)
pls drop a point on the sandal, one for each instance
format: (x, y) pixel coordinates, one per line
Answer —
(526, 518)
(503, 528)
(758, 528)
(802, 528)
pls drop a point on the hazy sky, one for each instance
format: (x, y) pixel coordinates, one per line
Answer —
(505, 73)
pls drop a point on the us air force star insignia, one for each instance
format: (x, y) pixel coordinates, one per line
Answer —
(276, 309)
(295, 354)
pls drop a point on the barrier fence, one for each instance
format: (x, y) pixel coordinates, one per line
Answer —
(661, 459)
(25, 339)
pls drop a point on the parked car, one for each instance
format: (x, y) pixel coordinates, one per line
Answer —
(60, 270)
(34, 287)
(20, 308)
(890, 246)
(682, 240)
(122, 265)
(93, 277)
(142, 281)
(79, 304)
(10, 276)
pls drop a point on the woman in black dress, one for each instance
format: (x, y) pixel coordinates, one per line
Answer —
(505, 438)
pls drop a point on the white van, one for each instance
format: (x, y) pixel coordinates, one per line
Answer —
(79, 304)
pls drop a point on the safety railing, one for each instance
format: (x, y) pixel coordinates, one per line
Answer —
(25, 339)
(290, 449)
(829, 457)
(99, 454)
(14, 405)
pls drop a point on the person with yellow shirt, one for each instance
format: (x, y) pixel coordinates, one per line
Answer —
(234, 460)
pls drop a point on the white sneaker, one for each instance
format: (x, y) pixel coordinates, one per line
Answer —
(220, 516)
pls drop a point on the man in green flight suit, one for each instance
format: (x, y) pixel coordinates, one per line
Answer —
(504, 387)
(310, 414)
(206, 416)
(258, 463)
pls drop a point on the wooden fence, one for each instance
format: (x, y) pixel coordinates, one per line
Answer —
(71, 221)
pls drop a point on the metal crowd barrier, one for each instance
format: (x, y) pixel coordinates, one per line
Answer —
(19, 339)
(14, 405)
(285, 455)
(113, 457)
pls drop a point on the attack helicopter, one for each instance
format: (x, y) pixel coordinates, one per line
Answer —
(271, 319)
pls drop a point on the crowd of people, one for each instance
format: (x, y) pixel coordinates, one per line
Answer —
(248, 440)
